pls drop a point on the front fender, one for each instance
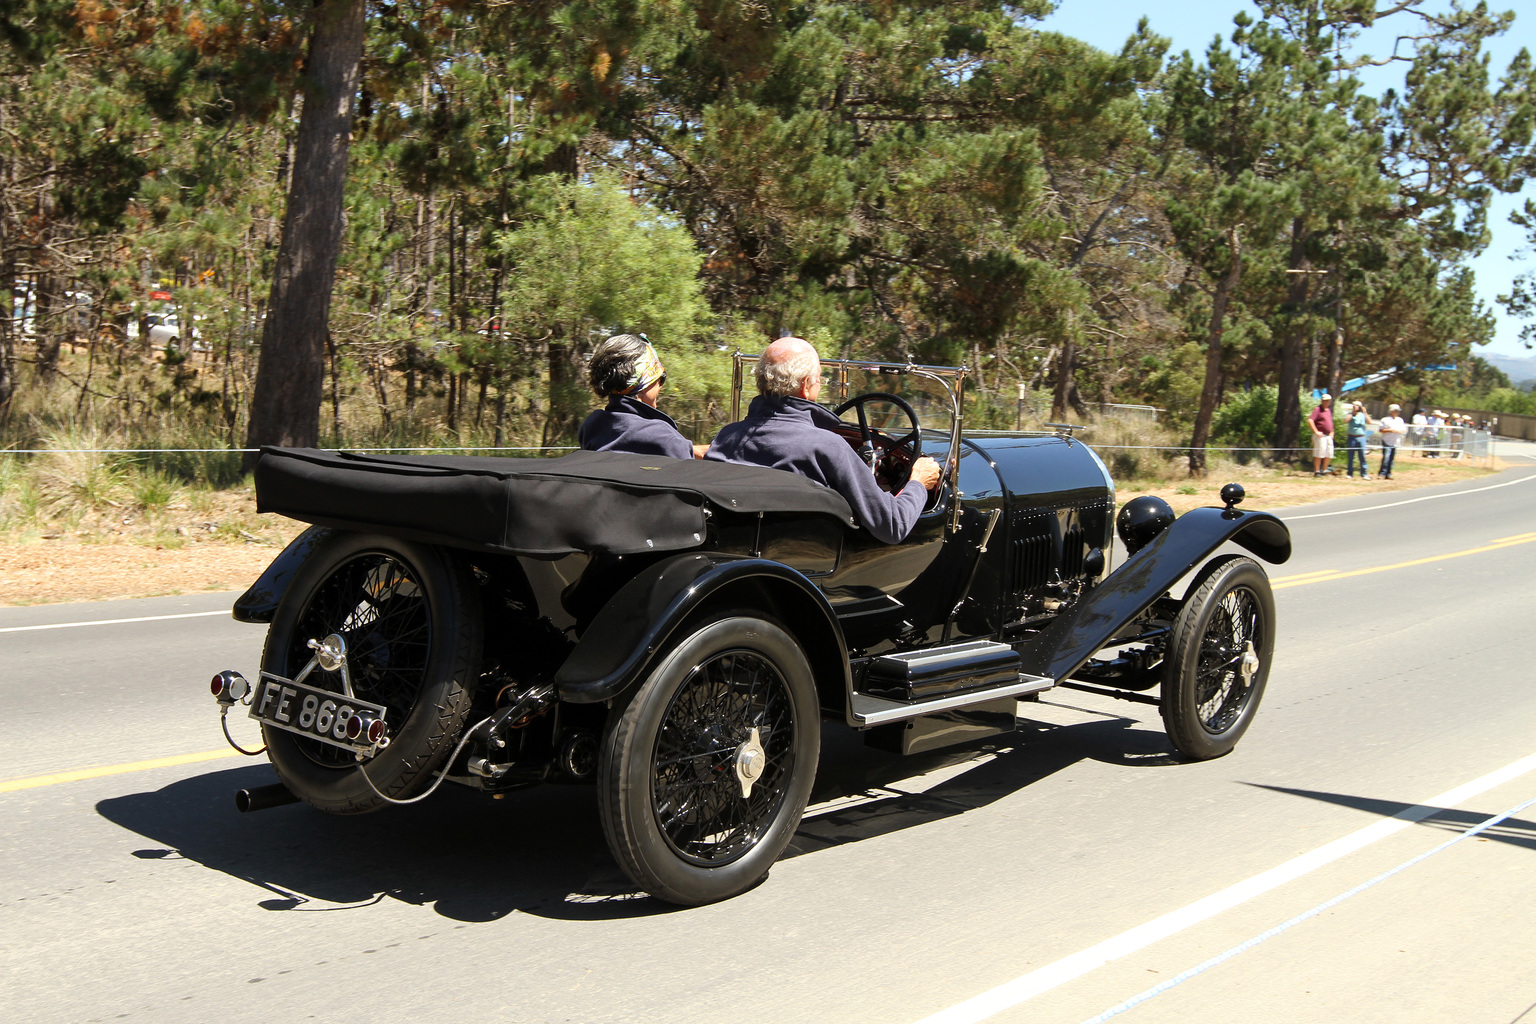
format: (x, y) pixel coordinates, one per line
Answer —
(1127, 592)
(618, 646)
(259, 603)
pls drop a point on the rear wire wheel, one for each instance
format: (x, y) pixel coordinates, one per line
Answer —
(1218, 658)
(409, 614)
(705, 772)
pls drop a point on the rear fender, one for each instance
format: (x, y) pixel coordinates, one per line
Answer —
(617, 649)
(1078, 633)
(259, 603)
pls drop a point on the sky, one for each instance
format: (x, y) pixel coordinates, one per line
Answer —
(1192, 24)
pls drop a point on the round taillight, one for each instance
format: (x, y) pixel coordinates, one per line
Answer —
(375, 730)
(229, 686)
(355, 726)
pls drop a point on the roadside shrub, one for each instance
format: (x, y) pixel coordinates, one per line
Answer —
(152, 490)
(1247, 421)
(75, 476)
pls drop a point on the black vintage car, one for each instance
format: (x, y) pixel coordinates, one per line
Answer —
(676, 632)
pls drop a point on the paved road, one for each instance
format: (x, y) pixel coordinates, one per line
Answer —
(1049, 879)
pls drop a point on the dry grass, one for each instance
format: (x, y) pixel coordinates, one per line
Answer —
(1279, 487)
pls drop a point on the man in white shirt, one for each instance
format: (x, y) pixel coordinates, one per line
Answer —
(1391, 431)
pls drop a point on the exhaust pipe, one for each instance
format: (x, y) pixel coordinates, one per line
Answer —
(263, 797)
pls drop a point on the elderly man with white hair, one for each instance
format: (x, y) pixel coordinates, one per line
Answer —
(1391, 433)
(786, 429)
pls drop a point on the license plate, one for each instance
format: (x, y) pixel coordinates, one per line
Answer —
(308, 711)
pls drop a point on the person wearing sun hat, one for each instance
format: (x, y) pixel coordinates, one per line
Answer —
(1321, 422)
(1357, 426)
(1391, 433)
(626, 370)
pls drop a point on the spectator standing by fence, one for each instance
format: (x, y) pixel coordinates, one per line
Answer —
(1321, 421)
(1354, 440)
(1416, 428)
(1391, 434)
(1434, 433)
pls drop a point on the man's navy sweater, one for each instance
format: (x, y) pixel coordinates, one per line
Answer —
(629, 425)
(792, 434)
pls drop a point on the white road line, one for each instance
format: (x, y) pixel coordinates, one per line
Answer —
(113, 622)
(1305, 915)
(1407, 501)
(1069, 968)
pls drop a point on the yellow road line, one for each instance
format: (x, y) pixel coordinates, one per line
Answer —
(1302, 580)
(1303, 576)
(33, 782)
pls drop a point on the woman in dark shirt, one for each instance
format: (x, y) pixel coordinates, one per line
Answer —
(626, 370)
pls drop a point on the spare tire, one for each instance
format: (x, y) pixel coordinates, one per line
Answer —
(410, 616)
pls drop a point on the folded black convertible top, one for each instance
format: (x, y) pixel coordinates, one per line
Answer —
(597, 502)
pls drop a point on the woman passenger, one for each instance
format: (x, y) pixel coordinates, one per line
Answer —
(626, 370)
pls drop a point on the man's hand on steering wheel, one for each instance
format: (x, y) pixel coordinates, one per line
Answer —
(926, 472)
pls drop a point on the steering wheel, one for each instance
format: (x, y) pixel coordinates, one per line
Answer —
(875, 446)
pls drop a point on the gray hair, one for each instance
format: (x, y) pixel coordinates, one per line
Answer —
(783, 377)
(613, 363)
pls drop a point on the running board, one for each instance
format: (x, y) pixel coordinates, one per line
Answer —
(868, 710)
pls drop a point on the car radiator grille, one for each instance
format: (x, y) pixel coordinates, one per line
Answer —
(1035, 554)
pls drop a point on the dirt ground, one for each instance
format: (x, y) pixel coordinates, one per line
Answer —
(226, 546)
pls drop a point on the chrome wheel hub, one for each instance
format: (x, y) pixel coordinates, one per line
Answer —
(751, 760)
(1250, 664)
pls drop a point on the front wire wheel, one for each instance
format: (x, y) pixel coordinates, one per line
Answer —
(705, 773)
(1218, 658)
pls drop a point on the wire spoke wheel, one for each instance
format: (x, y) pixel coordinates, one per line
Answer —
(378, 606)
(1221, 689)
(410, 616)
(1218, 658)
(696, 788)
(707, 764)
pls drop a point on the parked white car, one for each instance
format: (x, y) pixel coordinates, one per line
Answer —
(165, 329)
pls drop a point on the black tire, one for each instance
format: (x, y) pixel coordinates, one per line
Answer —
(669, 790)
(410, 616)
(1211, 687)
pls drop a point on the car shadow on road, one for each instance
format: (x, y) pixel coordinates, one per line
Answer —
(541, 851)
(885, 800)
(1516, 831)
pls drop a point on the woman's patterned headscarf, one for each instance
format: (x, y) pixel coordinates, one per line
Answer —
(647, 371)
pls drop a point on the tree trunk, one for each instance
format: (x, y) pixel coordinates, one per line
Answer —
(564, 392)
(7, 336)
(1066, 363)
(48, 329)
(285, 409)
(1336, 362)
(1210, 391)
(1288, 402)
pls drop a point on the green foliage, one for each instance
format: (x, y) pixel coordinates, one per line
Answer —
(152, 491)
(593, 259)
(1510, 400)
(1173, 382)
(1247, 419)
